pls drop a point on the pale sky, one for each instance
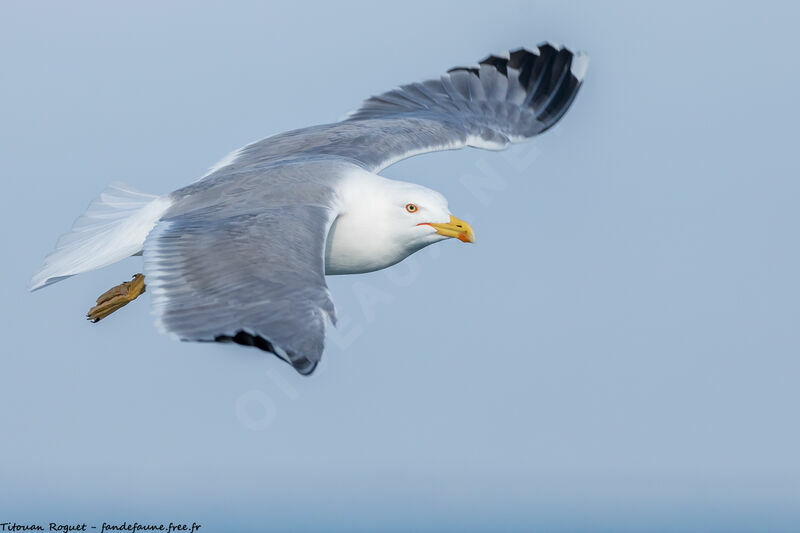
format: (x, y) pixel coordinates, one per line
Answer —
(617, 352)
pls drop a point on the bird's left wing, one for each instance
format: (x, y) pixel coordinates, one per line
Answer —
(252, 277)
(505, 98)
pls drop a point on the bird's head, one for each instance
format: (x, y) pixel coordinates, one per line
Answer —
(384, 221)
(420, 216)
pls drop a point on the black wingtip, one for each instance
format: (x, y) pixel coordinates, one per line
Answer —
(302, 364)
(550, 73)
(499, 63)
(471, 70)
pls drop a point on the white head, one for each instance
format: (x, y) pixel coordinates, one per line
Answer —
(384, 221)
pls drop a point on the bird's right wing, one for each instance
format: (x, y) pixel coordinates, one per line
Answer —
(255, 278)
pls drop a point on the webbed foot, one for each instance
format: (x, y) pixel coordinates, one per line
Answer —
(117, 297)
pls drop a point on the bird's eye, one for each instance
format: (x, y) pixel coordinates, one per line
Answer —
(412, 208)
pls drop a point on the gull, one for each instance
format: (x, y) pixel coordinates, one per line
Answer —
(241, 254)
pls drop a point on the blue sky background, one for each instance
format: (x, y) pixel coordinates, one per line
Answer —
(618, 352)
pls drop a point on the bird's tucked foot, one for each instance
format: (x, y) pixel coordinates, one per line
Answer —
(117, 297)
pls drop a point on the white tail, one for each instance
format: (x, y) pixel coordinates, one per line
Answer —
(113, 227)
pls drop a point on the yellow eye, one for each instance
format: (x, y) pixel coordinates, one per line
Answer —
(412, 208)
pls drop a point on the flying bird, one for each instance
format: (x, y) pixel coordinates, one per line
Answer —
(241, 254)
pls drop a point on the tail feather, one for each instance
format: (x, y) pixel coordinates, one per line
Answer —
(113, 227)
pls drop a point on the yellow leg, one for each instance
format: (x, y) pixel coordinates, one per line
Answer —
(117, 297)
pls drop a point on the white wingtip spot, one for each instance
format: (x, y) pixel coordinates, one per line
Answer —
(580, 63)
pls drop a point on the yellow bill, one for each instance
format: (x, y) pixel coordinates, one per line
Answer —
(456, 228)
